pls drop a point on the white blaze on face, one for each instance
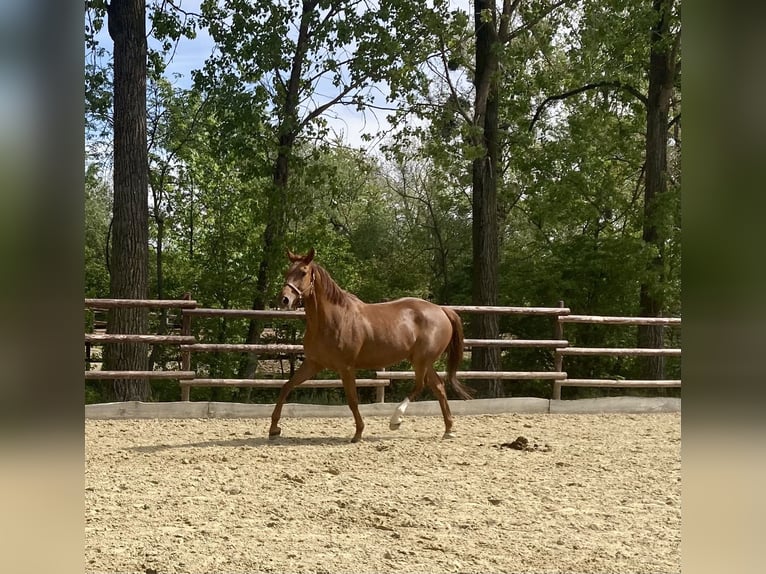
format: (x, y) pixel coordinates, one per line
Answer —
(396, 418)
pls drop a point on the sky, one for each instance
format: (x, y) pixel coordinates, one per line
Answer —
(344, 121)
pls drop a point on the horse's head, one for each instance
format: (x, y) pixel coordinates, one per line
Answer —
(299, 280)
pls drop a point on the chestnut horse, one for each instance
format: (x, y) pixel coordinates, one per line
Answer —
(345, 334)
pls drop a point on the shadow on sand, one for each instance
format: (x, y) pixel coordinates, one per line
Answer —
(262, 441)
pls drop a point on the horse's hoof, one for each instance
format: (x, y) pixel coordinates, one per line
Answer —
(356, 438)
(274, 433)
(394, 426)
(449, 435)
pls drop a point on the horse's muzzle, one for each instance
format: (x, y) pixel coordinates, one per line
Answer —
(288, 298)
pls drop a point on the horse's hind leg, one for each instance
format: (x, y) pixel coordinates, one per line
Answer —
(304, 373)
(436, 385)
(396, 418)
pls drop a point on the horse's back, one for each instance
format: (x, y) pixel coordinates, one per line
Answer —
(404, 328)
(420, 312)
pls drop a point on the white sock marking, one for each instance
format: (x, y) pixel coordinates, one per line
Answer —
(396, 418)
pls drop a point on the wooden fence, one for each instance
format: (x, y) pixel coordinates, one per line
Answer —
(91, 339)
(560, 353)
(187, 345)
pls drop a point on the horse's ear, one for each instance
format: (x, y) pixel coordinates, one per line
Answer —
(292, 256)
(310, 256)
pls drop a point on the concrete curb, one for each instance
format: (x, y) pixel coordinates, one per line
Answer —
(203, 410)
(617, 405)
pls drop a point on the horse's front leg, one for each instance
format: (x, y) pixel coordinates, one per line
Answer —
(304, 373)
(349, 386)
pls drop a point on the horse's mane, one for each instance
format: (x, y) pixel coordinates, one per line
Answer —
(332, 290)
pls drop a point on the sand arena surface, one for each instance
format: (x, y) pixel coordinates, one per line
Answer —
(215, 495)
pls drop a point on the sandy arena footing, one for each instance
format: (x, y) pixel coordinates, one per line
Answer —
(589, 493)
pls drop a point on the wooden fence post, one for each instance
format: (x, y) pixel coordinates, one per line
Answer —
(558, 358)
(185, 354)
(380, 393)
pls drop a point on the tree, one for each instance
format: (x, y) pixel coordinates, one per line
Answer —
(98, 203)
(645, 40)
(284, 54)
(127, 78)
(437, 217)
(507, 39)
(130, 225)
(664, 65)
(494, 30)
(174, 119)
(491, 34)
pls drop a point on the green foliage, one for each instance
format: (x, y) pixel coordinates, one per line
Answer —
(97, 218)
(399, 223)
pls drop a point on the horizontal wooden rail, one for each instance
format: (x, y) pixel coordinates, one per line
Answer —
(278, 383)
(614, 352)
(245, 313)
(509, 310)
(620, 383)
(244, 347)
(300, 314)
(543, 343)
(287, 348)
(379, 384)
(620, 320)
(114, 338)
(140, 374)
(153, 303)
(510, 375)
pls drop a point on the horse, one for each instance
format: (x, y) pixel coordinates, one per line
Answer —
(344, 334)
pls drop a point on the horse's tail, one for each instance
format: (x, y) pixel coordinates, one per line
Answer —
(455, 355)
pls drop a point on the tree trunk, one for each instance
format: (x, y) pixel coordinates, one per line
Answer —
(485, 174)
(273, 249)
(661, 78)
(276, 212)
(130, 229)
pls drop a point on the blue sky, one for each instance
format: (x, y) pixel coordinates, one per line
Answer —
(190, 54)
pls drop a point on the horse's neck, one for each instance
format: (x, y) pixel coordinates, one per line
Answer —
(320, 310)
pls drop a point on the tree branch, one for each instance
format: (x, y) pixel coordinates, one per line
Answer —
(279, 78)
(333, 11)
(316, 112)
(505, 19)
(674, 61)
(320, 74)
(181, 10)
(532, 23)
(453, 90)
(607, 84)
